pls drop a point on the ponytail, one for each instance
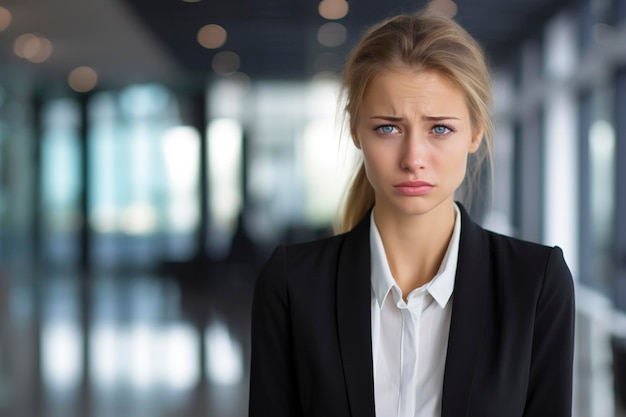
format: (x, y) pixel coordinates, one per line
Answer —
(359, 200)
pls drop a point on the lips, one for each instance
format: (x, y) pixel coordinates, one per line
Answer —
(414, 188)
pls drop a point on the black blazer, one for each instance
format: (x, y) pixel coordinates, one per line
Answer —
(510, 348)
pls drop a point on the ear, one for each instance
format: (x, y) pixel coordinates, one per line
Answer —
(477, 139)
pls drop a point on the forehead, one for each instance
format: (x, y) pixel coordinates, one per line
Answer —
(406, 86)
(406, 90)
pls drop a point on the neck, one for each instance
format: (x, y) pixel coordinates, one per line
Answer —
(415, 244)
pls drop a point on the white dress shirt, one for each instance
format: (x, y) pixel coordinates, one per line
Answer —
(410, 339)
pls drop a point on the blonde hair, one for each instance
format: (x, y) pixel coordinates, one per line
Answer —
(423, 42)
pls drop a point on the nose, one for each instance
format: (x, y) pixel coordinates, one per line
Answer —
(414, 153)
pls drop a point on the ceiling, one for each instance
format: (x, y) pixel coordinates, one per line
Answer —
(278, 38)
(135, 40)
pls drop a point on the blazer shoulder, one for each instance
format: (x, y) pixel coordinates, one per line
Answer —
(516, 249)
(509, 256)
(313, 255)
(543, 266)
(516, 246)
(298, 261)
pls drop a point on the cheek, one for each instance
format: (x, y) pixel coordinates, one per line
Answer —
(369, 163)
(376, 164)
(460, 169)
(453, 166)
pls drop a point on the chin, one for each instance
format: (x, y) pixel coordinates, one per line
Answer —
(417, 206)
(413, 209)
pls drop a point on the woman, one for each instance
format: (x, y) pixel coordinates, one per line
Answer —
(415, 310)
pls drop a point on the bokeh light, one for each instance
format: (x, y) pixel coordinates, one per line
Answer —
(33, 48)
(212, 36)
(83, 79)
(332, 34)
(447, 8)
(5, 18)
(225, 62)
(333, 9)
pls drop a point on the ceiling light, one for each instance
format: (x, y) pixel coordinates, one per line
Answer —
(25, 45)
(333, 9)
(5, 18)
(212, 36)
(225, 62)
(34, 48)
(332, 34)
(43, 52)
(82, 79)
(447, 8)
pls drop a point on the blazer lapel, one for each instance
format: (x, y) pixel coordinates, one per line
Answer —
(468, 317)
(354, 319)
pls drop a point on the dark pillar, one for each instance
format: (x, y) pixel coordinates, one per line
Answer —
(85, 277)
(38, 404)
(619, 342)
(585, 249)
(199, 121)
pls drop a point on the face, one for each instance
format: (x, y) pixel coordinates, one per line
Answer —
(415, 132)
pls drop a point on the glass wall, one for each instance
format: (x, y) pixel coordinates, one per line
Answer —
(143, 171)
(61, 183)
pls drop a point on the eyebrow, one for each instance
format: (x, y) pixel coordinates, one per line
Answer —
(426, 118)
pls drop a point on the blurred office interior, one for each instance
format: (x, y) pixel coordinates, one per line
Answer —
(152, 153)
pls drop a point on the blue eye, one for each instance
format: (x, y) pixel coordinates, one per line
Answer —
(440, 130)
(386, 129)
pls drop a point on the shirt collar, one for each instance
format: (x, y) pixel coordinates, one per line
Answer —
(440, 287)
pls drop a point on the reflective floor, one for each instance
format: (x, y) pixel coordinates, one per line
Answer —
(144, 345)
(136, 345)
